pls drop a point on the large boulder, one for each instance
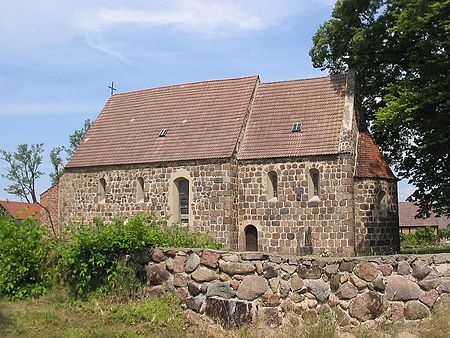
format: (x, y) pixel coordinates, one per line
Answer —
(401, 288)
(366, 271)
(347, 291)
(252, 287)
(367, 306)
(319, 289)
(203, 275)
(157, 274)
(416, 310)
(210, 258)
(220, 289)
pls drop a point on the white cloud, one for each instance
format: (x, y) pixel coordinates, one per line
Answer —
(201, 16)
(100, 46)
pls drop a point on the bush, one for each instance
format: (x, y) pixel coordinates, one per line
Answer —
(426, 236)
(24, 248)
(92, 259)
(422, 237)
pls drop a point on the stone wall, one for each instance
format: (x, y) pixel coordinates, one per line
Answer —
(49, 200)
(236, 288)
(292, 223)
(376, 226)
(211, 187)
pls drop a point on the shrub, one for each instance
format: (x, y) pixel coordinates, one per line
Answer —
(423, 237)
(444, 233)
(24, 248)
(426, 236)
(92, 259)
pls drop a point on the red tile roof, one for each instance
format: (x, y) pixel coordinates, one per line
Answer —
(203, 119)
(407, 211)
(369, 161)
(20, 210)
(317, 104)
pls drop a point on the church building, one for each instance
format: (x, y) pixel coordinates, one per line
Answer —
(276, 167)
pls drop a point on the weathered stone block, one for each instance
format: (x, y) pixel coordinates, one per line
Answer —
(230, 312)
(204, 275)
(192, 262)
(416, 310)
(220, 289)
(367, 306)
(157, 274)
(235, 268)
(252, 287)
(366, 271)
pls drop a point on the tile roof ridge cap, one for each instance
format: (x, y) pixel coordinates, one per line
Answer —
(304, 79)
(255, 76)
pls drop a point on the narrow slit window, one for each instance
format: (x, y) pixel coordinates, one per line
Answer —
(101, 191)
(183, 200)
(272, 185)
(382, 203)
(140, 190)
(314, 183)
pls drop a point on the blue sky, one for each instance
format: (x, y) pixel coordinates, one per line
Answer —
(58, 57)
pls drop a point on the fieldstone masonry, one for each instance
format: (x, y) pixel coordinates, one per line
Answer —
(236, 288)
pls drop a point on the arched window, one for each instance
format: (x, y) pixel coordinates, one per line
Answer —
(251, 238)
(381, 204)
(139, 190)
(272, 185)
(314, 184)
(183, 199)
(101, 191)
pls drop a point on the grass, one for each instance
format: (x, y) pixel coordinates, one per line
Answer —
(56, 315)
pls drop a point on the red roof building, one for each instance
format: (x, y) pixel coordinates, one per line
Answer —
(284, 163)
(21, 210)
(409, 223)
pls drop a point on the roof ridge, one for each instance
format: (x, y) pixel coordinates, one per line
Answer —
(189, 83)
(305, 79)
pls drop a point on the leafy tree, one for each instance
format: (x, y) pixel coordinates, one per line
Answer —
(399, 49)
(58, 164)
(23, 170)
(55, 154)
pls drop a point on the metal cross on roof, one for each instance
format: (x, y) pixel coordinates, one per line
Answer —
(112, 88)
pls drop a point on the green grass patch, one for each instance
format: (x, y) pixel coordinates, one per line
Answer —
(55, 315)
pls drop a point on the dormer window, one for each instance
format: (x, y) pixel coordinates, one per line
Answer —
(296, 127)
(163, 132)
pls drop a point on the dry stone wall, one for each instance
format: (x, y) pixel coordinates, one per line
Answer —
(236, 288)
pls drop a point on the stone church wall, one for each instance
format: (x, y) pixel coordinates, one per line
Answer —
(211, 195)
(376, 218)
(236, 288)
(291, 223)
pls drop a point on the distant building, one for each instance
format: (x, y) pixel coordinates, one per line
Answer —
(21, 210)
(409, 224)
(277, 167)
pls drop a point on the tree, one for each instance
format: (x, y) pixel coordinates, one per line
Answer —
(23, 170)
(399, 49)
(55, 154)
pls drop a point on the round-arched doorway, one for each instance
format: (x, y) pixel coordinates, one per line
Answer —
(251, 238)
